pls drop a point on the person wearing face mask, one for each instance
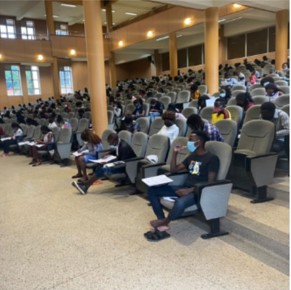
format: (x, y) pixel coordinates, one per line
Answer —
(170, 129)
(92, 145)
(273, 92)
(201, 165)
(121, 149)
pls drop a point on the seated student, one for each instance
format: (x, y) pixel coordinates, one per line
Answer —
(138, 110)
(15, 138)
(48, 143)
(62, 123)
(244, 100)
(156, 109)
(202, 167)
(273, 92)
(219, 111)
(127, 123)
(122, 150)
(92, 145)
(196, 123)
(281, 121)
(178, 115)
(170, 129)
(52, 124)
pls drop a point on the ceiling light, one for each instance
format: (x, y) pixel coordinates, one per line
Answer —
(150, 34)
(120, 43)
(221, 20)
(235, 5)
(40, 57)
(130, 13)
(162, 38)
(72, 52)
(188, 21)
(68, 5)
(1, 56)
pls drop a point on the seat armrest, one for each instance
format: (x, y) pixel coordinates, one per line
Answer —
(149, 170)
(201, 185)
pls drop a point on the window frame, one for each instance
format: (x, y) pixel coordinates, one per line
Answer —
(32, 72)
(11, 70)
(66, 80)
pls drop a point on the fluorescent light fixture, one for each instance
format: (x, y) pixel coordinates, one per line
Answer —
(221, 20)
(55, 16)
(234, 19)
(162, 38)
(130, 13)
(104, 10)
(179, 35)
(68, 5)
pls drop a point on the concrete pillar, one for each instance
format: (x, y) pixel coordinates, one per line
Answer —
(96, 69)
(51, 31)
(211, 49)
(173, 54)
(282, 18)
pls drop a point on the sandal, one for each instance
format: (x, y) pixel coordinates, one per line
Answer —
(77, 176)
(37, 163)
(156, 235)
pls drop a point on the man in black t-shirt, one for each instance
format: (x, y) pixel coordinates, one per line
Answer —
(201, 165)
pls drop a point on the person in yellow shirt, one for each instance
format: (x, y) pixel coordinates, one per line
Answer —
(219, 111)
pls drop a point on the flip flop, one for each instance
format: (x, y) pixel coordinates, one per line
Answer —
(156, 236)
(77, 176)
(36, 164)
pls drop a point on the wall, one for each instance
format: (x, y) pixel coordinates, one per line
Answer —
(131, 70)
(80, 75)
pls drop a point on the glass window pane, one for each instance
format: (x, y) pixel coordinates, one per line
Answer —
(182, 58)
(165, 61)
(257, 42)
(236, 46)
(195, 55)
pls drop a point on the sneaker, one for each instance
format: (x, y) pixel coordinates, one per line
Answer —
(81, 187)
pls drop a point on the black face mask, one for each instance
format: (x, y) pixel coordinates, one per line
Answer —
(168, 123)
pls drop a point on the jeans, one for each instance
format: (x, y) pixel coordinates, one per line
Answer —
(153, 115)
(181, 203)
(104, 171)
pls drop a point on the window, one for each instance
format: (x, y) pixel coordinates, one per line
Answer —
(165, 61)
(272, 38)
(62, 30)
(28, 31)
(66, 80)
(13, 80)
(236, 46)
(33, 81)
(7, 30)
(257, 42)
(182, 57)
(195, 54)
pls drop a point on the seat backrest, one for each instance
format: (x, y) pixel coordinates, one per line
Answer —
(126, 136)
(231, 101)
(83, 124)
(156, 125)
(110, 116)
(179, 141)
(285, 89)
(253, 113)
(129, 108)
(36, 133)
(193, 103)
(255, 86)
(202, 89)
(286, 109)
(236, 113)
(182, 125)
(146, 108)
(258, 100)
(189, 111)
(183, 97)
(258, 92)
(74, 123)
(236, 92)
(56, 132)
(104, 137)
(282, 101)
(224, 152)
(158, 145)
(256, 137)
(87, 115)
(228, 130)
(238, 87)
(139, 143)
(65, 135)
(30, 131)
(165, 100)
(281, 83)
(206, 113)
(173, 96)
(143, 124)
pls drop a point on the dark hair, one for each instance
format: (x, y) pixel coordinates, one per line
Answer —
(169, 115)
(112, 136)
(266, 80)
(172, 107)
(202, 135)
(268, 106)
(194, 121)
(90, 136)
(44, 129)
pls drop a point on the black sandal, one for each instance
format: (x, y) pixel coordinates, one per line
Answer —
(156, 235)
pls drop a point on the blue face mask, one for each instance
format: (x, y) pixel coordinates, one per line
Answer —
(222, 95)
(191, 146)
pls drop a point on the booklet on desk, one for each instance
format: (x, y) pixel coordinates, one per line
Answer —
(105, 159)
(157, 180)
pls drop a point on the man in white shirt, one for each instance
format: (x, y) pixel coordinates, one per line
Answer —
(170, 129)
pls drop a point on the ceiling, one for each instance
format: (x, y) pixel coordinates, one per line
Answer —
(261, 14)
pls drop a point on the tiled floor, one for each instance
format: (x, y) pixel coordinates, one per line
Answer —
(54, 238)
